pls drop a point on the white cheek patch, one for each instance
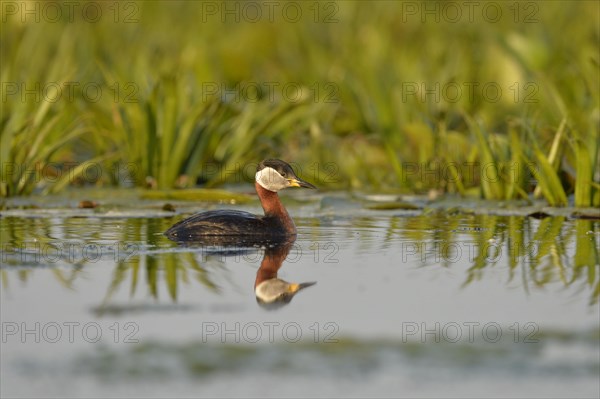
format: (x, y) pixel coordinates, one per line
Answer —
(270, 179)
(261, 291)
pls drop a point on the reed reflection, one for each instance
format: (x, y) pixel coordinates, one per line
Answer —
(535, 254)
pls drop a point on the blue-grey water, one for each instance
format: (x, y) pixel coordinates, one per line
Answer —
(469, 300)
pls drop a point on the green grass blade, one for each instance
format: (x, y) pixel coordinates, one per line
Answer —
(492, 189)
(583, 183)
(554, 154)
(548, 180)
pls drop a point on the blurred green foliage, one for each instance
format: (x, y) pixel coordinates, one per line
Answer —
(493, 101)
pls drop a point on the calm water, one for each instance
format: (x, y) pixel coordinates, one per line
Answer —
(461, 302)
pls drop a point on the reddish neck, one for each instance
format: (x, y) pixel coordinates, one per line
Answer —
(274, 208)
(271, 263)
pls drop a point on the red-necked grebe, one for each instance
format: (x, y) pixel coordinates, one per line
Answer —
(272, 175)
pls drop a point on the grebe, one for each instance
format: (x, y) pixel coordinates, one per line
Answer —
(272, 175)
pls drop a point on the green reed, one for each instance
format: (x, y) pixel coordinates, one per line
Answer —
(371, 90)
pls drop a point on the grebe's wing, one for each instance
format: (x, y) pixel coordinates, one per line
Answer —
(220, 222)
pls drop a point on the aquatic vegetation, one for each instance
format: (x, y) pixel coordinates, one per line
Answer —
(502, 110)
(197, 194)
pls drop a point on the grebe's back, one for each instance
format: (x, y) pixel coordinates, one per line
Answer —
(225, 222)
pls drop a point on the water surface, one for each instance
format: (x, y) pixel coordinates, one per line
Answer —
(462, 300)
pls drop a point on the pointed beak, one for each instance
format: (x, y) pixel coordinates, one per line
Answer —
(293, 288)
(298, 182)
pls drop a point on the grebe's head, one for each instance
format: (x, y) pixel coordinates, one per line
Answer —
(274, 175)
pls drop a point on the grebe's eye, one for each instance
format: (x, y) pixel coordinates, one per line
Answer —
(283, 174)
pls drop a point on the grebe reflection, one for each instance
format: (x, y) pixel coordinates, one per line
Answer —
(271, 292)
